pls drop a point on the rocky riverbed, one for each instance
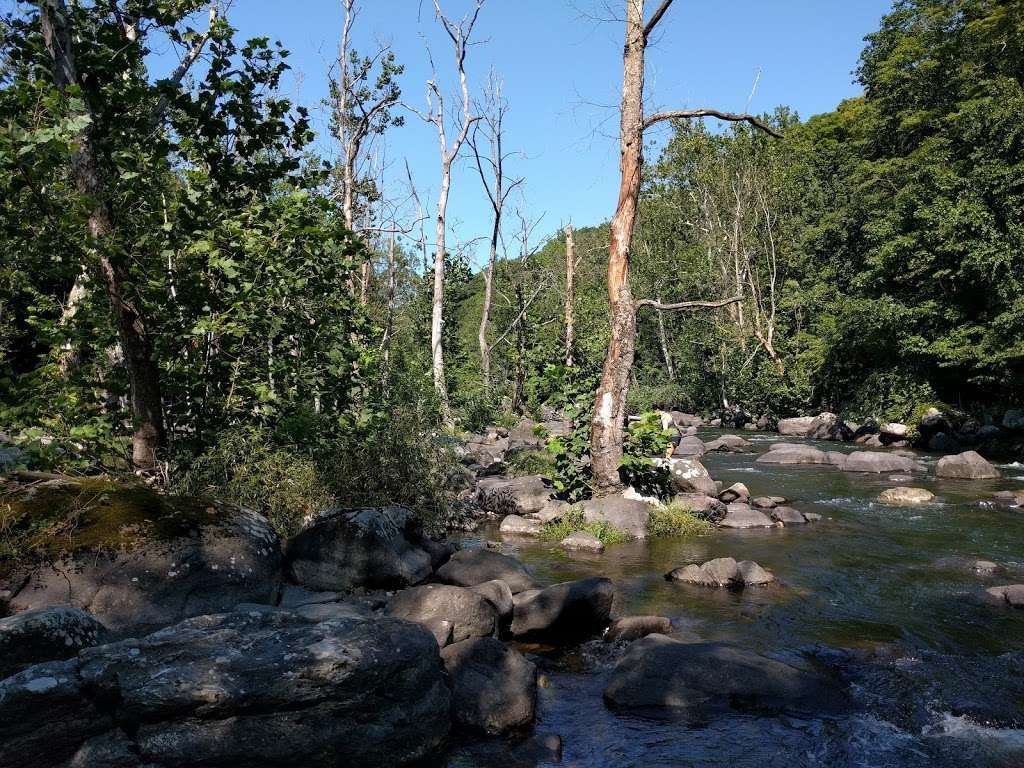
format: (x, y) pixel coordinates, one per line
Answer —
(883, 634)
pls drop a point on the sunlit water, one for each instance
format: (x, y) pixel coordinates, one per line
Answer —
(885, 597)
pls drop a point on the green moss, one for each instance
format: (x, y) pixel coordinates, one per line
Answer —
(676, 520)
(573, 522)
(50, 517)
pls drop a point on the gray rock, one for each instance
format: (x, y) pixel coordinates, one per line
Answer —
(629, 516)
(969, 465)
(470, 614)
(469, 567)
(237, 689)
(743, 516)
(702, 505)
(690, 574)
(690, 446)
(752, 574)
(376, 548)
(564, 613)
(686, 419)
(331, 611)
(514, 525)
(46, 634)
(1014, 419)
(660, 676)
(581, 541)
(494, 688)
(729, 444)
(1009, 498)
(1012, 594)
(764, 502)
(878, 462)
(497, 593)
(552, 512)
(735, 492)
(798, 426)
(788, 516)
(785, 453)
(812, 517)
(513, 495)
(630, 628)
(837, 458)
(688, 475)
(943, 442)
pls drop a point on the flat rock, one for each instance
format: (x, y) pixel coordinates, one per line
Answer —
(469, 567)
(468, 613)
(728, 444)
(764, 502)
(581, 541)
(630, 628)
(564, 613)
(659, 676)
(879, 462)
(494, 687)
(1012, 594)
(514, 525)
(904, 496)
(785, 453)
(744, 516)
(969, 465)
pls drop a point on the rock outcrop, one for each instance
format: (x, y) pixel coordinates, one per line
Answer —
(47, 634)
(494, 687)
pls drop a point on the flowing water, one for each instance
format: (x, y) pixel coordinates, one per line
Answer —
(885, 597)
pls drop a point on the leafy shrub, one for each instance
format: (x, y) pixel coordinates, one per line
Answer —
(573, 522)
(523, 463)
(478, 413)
(676, 520)
(660, 396)
(570, 455)
(645, 439)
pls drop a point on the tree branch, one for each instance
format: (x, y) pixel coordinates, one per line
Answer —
(682, 305)
(656, 18)
(179, 74)
(732, 117)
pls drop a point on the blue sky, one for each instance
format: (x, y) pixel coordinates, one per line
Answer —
(561, 69)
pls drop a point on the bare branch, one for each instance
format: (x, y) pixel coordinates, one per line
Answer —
(179, 74)
(686, 114)
(684, 305)
(656, 18)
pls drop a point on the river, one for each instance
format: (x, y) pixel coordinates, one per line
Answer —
(885, 597)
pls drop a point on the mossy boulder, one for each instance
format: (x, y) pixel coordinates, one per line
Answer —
(134, 558)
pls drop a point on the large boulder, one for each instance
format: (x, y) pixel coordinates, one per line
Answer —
(878, 462)
(48, 634)
(377, 548)
(137, 560)
(470, 567)
(659, 676)
(969, 465)
(628, 516)
(236, 689)
(797, 426)
(688, 475)
(690, 446)
(787, 453)
(828, 426)
(452, 614)
(513, 495)
(494, 687)
(564, 613)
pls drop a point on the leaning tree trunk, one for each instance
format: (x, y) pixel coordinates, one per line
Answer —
(437, 309)
(143, 373)
(607, 431)
(485, 312)
(570, 292)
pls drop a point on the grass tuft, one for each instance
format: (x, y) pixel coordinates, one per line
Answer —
(676, 520)
(573, 522)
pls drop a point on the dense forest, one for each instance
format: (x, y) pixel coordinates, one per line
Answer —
(182, 268)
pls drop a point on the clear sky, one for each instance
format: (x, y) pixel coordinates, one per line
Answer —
(562, 70)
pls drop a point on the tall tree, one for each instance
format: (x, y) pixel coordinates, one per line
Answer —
(460, 34)
(608, 425)
(570, 291)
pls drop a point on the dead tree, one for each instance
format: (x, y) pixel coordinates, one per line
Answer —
(460, 34)
(570, 291)
(608, 425)
(493, 180)
(361, 109)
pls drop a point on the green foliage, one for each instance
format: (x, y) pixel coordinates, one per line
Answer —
(645, 439)
(676, 520)
(573, 522)
(523, 463)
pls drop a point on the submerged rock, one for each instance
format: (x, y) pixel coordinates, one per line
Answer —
(494, 687)
(722, 572)
(515, 525)
(744, 516)
(47, 634)
(785, 453)
(904, 496)
(629, 628)
(788, 516)
(659, 676)
(581, 541)
(376, 548)
(470, 567)
(969, 465)
(564, 613)
(1012, 594)
(236, 689)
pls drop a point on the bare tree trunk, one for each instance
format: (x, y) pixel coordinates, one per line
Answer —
(663, 340)
(149, 436)
(570, 291)
(437, 306)
(607, 427)
(389, 318)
